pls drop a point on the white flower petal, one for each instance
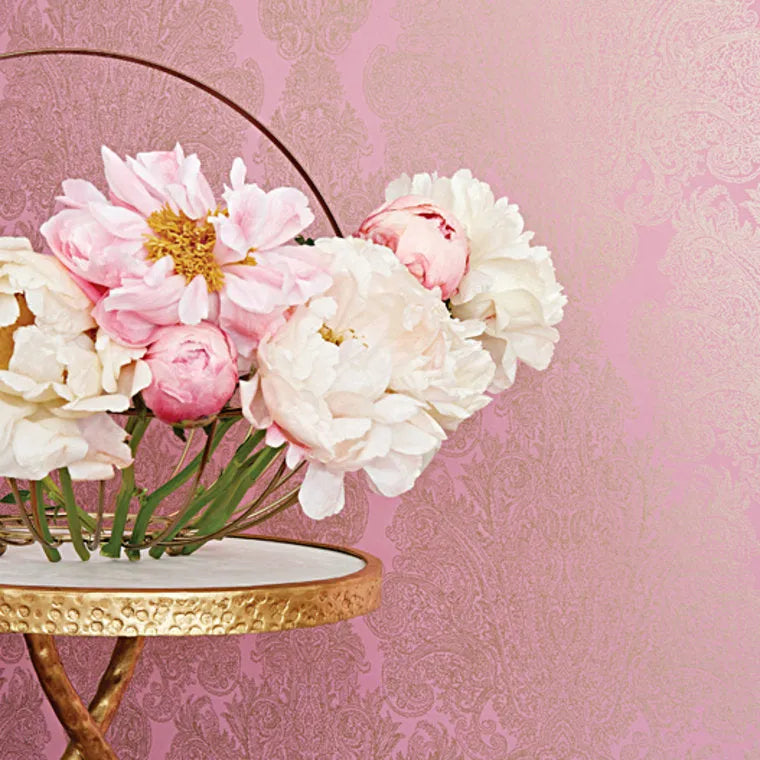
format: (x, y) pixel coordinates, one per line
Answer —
(330, 379)
(59, 381)
(252, 401)
(394, 474)
(9, 309)
(510, 284)
(43, 445)
(106, 449)
(322, 492)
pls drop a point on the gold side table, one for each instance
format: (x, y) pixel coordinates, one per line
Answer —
(240, 585)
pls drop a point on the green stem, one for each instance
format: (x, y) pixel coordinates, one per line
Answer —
(51, 489)
(153, 500)
(226, 502)
(136, 427)
(86, 519)
(222, 483)
(38, 504)
(72, 516)
(156, 551)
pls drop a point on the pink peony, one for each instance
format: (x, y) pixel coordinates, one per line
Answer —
(98, 242)
(428, 240)
(194, 372)
(160, 252)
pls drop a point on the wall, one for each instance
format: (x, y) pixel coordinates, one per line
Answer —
(576, 577)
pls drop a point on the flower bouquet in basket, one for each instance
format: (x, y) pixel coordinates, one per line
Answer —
(216, 317)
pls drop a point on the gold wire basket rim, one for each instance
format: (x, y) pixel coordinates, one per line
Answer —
(99, 612)
(372, 567)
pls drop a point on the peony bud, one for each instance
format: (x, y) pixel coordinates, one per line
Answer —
(428, 240)
(194, 370)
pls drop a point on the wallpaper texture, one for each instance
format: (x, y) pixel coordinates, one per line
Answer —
(576, 577)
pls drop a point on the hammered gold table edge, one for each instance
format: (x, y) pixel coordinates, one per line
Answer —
(177, 612)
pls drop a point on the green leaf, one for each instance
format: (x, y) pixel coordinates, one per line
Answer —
(9, 498)
(301, 240)
(179, 431)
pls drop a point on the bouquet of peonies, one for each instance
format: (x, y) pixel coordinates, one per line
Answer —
(341, 354)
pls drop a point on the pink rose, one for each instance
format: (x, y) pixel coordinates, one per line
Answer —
(194, 370)
(428, 240)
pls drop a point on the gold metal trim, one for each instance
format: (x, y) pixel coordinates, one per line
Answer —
(193, 612)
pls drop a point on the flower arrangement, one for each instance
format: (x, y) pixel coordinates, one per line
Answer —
(159, 302)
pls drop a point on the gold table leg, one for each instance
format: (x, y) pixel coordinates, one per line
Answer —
(86, 727)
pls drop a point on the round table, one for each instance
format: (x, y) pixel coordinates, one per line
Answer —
(239, 585)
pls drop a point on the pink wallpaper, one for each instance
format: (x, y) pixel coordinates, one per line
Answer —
(577, 576)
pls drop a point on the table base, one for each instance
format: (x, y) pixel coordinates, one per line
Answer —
(86, 726)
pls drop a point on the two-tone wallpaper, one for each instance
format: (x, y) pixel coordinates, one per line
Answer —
(576, 577)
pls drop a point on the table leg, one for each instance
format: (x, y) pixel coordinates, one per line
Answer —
(86, 728)
(113, 684)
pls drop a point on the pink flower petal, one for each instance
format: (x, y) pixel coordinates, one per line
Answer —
(125, 185)
(162, 269)
(200, 196)
(246, 328)
(263, 220)
(77, 193)
(246, 208)
(223, 253)
(127, 327)
(237, 173)
(193, 305)
(158, 304)
(156, 169)
(254, 289)
(89, 249)
(287, 214)
(120, 222)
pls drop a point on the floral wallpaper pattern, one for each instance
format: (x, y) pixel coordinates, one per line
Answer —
(577, 576)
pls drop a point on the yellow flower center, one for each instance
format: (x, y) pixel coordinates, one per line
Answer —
(25, 318)
(329, 335)
(190, 243)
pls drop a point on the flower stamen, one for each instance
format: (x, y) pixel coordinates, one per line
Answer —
(190, 243)
(329, 335)
(249, 259)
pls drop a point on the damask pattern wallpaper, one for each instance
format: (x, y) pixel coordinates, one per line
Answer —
(577, 576)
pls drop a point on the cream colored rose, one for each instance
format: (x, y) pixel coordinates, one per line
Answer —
(57, 376)
(365, 377)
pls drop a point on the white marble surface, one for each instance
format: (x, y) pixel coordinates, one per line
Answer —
(233, 562)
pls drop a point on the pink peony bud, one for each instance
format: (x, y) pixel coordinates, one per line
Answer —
(428, 240)
(194, 370)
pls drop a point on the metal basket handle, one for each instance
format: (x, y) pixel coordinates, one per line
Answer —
(250, 118)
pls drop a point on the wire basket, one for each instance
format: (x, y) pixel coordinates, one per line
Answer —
(46, 511)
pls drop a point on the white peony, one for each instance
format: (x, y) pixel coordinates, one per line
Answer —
(56, 381)
(510, 285)
(365, 377)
